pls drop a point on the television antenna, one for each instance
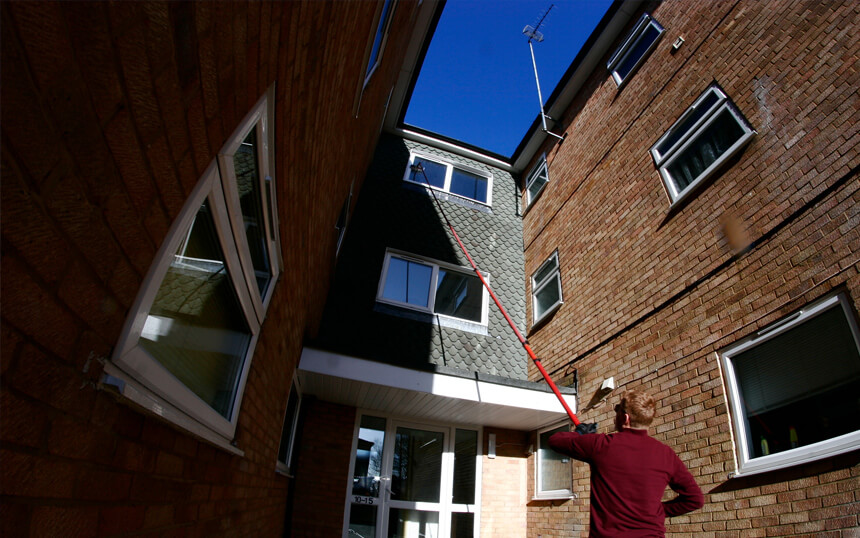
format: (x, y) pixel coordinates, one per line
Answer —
(534, 34)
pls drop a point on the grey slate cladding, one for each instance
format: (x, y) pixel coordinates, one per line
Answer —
(391, 213)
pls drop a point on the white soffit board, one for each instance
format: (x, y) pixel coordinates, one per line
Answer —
(373, 385)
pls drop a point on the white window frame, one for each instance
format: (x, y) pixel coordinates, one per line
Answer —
(541, 168)
(629, 46)
(449, 172)
(435, 265)
(138, 375)
(795, 456)
(383, 25)
(553, 493)
(283, 467)
(663, 160)
(392, 422)
(537, 287)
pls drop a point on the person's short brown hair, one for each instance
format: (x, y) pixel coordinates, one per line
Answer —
(640, 407)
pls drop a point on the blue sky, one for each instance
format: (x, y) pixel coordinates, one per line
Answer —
(477, 83)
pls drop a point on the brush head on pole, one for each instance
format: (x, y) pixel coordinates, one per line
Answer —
(418, 167)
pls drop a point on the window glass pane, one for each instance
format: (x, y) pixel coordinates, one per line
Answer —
(459, 295)
(547, 297)
(708, 146)
(462, 525)
(639, 49)
(546, 270)
(289, 422)
(684, 127)
(417, 466)
(554, 468)
(412, 524)
(801, 386)
(368, 457)
(469, 185)
(465, 454)
(251, 199)
(362, 521)
(537, 181)
(434, 171)
(377, 40)
(196, 328)
(407, 282)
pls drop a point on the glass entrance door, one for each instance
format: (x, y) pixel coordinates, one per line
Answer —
(406, 478)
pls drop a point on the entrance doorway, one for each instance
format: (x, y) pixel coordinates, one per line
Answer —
(411, 480)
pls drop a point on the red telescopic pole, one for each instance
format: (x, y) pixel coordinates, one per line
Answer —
(523, 341)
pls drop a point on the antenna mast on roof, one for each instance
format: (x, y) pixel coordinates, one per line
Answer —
(534, 34)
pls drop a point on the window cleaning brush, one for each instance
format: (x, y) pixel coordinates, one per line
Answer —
(416, 168)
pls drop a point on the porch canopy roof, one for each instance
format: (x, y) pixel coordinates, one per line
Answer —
(441, 396)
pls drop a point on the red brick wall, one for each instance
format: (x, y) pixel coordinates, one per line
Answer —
(504, 481)
(323, 469)
(111, 113)
(650, 294)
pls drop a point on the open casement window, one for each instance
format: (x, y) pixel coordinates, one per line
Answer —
(546, 289)
(709, 133)
(455, 179)
(187, 344)
(553, 479)
(636, 47)
(433, 287)
(793, 386)
(537, 179)
(379, 38)
(286, 450)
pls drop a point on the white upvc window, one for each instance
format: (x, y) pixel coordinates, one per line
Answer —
(546, 289)
(636, 47)
(286, 450)
(433, 287)
(187, 344)
(536, 180)
(380, 37)
(709, 133)
(553, 477)
(456, 179)
(792, 388)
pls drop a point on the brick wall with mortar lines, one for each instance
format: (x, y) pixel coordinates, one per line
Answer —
(111, 113)
(651, 294)
(504, 484)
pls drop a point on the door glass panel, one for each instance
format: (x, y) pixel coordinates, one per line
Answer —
(196, 328)
(554, 472)
(368, 457)
(417, 469)
(412, 523)
(462, 525)
(251, 199)
(362, 521)
(465, 455)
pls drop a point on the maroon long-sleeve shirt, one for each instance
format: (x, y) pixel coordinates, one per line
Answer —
(629, 473)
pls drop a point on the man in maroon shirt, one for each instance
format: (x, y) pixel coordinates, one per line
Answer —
(630, 472)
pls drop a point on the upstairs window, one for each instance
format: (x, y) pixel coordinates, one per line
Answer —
(546, 289)
(459, 180)
(553, 477)
(709, 133)
(635, 48)
(379, 39)
(537, 179)
(187, 345)
(433, 287)
(289, 432)
(793, 386)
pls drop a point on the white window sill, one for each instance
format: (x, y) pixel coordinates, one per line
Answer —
(568, 497)
(136, 393)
